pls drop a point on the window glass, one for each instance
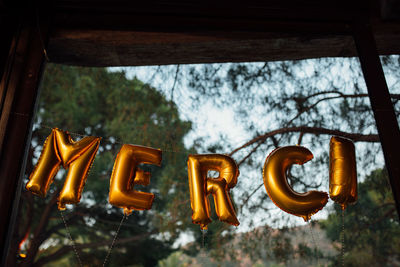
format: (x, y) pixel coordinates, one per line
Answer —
(244, 110)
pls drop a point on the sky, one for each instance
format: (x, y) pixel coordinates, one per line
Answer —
(209, 121)
(212, 122)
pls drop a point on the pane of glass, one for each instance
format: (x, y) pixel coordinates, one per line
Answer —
(244, 110)
(390, 68)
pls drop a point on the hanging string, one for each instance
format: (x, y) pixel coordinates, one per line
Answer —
(300, 138)
(70, 238)
(113, 140)
(203, 253)
(315, 243)
(342, 239)
(114, 240)
(203, 233)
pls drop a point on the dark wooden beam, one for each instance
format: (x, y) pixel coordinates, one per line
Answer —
(121, 48)
(155, 32)
(122, 33)
(390, 9)
(386, 121)
(135, 48)
(125, 32)
(19, 86)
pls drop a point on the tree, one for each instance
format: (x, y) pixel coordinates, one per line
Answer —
(371, 228)
(293, 102)
(276, 104)
(94, 101)
(284, 103)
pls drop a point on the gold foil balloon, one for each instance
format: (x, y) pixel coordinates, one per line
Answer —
(77, 157)
(278, 189)
(342, 171)
(201, 186)
(126, 174)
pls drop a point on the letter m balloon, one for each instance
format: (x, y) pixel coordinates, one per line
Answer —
(77, 157)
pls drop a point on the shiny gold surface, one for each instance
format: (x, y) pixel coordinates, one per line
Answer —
(342, 171)
(77, 157)
(126, 174)
(278, 189)
(201, 186)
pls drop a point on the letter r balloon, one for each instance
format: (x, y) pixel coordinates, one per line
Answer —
(201, 186)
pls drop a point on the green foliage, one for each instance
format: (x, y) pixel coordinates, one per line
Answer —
(320, 94)
(372, 229)
(269, 100)
(176, 259)
(325, 93)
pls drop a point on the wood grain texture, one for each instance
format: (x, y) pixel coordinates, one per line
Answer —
(122, 33)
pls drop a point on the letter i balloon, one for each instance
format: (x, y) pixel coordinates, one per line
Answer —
(342, 171)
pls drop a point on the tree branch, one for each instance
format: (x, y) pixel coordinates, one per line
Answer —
(302, 129)
(39, 234)
(70, 221)
(250, 153)
(251, 194)
(382, 217)
(323, 93)
(65, 249)
(174, 84)
(372, 138)
(340, 95)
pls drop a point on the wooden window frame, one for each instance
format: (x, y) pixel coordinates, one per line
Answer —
(22, 59)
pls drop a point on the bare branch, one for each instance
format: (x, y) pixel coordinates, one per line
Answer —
(341, 95)
(175, 79)
(150, 80)
(251, 194)
(312, 130)
(324, 93)
(250, 153)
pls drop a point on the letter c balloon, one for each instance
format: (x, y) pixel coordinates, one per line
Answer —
(274, 173)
